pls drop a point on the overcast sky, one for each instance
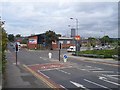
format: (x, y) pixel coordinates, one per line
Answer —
(28, 17)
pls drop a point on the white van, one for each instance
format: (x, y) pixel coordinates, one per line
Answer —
(71, 49)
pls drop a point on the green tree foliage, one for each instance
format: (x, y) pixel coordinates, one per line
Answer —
(24, 41)
(92, 41)
(51, 36)
(4, 46)
(18, 35)
(105, 39)
(118, 42)
(11, 37)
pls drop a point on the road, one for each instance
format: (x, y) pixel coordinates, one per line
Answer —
(74, 73)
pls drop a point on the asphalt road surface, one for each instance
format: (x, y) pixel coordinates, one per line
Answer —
(77, 74)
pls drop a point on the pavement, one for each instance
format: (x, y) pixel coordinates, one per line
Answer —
(19, 77)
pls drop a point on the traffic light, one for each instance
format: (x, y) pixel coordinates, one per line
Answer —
(16, 47)
(60, 45)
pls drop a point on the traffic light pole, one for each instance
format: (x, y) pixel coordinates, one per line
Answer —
(59, 50)
(59, 54)
(16, 49)
(16, 58)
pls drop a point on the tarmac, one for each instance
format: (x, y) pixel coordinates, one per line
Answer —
(18, 77)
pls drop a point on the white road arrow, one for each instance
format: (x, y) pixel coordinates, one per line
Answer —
(77, 84)
(105, 79)
(102, 78)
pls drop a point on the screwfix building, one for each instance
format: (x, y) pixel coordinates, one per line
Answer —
(36, 41)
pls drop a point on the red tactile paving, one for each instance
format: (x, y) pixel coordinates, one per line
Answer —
(47, 66)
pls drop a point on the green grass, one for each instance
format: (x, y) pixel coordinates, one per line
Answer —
(105, 53)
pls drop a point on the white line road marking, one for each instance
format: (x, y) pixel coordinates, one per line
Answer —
(83, 69)
(114, 75)
(104, 71)
(40, 57)
(94, 69)
(77, 84)
(98, 68)
(95, 83)
(62, 86)
(90, 69)
(111, 76)
(64, 71)
(88, 66)
(43, 74)
(18, 63)
(105, 79)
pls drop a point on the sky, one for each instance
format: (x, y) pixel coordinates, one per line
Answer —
(96, 18)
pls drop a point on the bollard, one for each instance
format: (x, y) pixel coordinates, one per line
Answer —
(65, 58)
(50, 55)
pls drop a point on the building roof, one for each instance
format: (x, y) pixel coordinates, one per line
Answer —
(35, 35)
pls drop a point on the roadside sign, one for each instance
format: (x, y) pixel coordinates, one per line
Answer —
(77, 37)
(65, 58)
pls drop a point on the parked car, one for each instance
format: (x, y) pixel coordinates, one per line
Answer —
(71, 49)
(98, 47)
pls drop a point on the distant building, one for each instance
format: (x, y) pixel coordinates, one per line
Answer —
(73, 33)
(39, 42)
(36, 41)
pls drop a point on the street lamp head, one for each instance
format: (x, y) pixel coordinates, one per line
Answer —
(71, 18)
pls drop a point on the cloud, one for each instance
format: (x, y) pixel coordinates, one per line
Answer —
(37, 17)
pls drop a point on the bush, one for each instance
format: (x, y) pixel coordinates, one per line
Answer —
(99, 53)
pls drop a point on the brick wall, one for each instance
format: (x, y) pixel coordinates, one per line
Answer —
(32, 46)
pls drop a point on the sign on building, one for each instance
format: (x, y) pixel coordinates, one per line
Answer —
(32, 41)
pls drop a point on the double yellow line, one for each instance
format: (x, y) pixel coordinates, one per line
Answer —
(49, 84)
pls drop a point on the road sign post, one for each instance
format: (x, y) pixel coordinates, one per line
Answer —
(77, 38)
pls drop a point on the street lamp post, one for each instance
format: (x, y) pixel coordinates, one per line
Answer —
(77, 44)
(76, 25)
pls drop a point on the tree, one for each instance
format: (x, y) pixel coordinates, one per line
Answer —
(24, 41)
(51, 36)
(18, 35)
(92, 41)
(4, 46)
(11, 37)
(105, 40)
